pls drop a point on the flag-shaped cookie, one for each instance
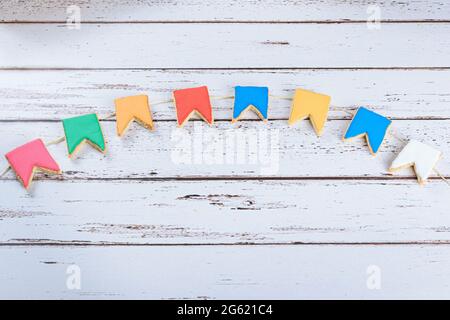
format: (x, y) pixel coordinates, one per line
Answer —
(133, 108)
(26, 160)
(255, 98)
(308, 104)
(82, 129)
(371, 125)
(418, 155)
(190, 101)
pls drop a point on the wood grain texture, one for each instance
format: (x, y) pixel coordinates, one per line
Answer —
(269, 272)
(247, 149)
(228, 212)
(57, 94)
(224, 45)
(229, 10)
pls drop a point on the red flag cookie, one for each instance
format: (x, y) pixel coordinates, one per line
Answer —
(190, 101)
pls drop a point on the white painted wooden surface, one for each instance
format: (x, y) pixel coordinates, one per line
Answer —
(178, 212)
(131, 218)
(230, 10)
(192, 45)
(227, 272)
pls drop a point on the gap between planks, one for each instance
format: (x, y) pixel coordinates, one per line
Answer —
(49, 243)
(387, 21)
(235, 178)
(344, 68)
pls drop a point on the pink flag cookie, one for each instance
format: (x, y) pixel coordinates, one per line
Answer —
(27, 159)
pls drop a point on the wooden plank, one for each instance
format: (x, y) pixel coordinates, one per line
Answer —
(231, 212)
(230, 10)
(223, 272)
(57, 94)
(246, 149)
(224, 45)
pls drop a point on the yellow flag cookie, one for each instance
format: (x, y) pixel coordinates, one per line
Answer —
(132, 108)
(310, 104)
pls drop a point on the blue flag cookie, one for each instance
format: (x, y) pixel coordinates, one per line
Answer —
(371, 125)
(256, 98)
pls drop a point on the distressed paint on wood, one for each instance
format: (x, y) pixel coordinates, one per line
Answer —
(195, 212)
(245, 149)
(57, 94)
(229, 10)
(142, 211)
(243, 272)
(224, 45)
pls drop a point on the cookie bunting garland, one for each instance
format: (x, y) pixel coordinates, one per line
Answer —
(34, 156)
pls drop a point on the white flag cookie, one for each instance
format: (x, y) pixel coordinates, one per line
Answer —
(419, 155)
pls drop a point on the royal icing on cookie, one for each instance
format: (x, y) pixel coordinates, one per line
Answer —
(190, 101)
(371, 125)
(256, 98)
(79, 130)
(310, 104)
(418, 155)
(29, 158)
(132, 108)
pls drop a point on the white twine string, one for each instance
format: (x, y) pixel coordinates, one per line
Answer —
(398, 137)
(336, 108)
(222, 97)
(279, 97)
(5, 171)
(56, 141)
(107, 117)
(442, 177)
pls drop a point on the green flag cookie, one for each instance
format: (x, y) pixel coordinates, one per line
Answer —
(79, 130)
